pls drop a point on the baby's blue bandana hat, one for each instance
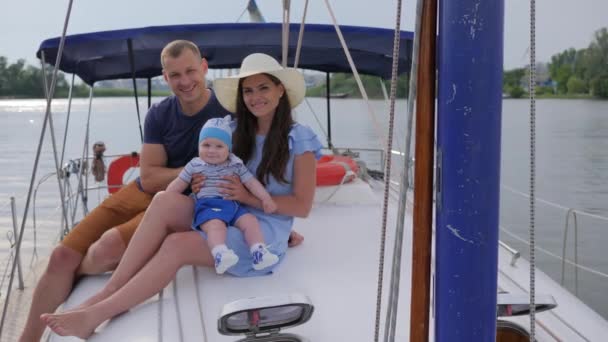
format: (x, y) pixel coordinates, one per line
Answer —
(218, 128)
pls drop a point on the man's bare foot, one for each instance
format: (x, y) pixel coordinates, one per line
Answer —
(81, 324)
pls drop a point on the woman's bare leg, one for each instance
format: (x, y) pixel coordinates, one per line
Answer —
(168, 213)
(187, 248)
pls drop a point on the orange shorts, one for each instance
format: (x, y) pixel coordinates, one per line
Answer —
(123, 210)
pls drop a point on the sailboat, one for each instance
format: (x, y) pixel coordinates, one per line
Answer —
(330, 288)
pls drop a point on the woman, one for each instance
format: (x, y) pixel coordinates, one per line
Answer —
(262, 96)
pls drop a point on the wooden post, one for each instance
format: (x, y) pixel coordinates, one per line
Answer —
(423, 195)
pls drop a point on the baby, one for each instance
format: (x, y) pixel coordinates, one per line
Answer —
(212, 213)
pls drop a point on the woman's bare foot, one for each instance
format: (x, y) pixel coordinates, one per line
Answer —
(81, 324)
(295, 239)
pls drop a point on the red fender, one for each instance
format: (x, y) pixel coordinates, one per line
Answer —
(332, 169)
(117, 169)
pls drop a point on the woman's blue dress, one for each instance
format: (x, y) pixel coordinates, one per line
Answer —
(276, 228)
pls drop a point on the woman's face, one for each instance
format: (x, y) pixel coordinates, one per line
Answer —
(261, 95)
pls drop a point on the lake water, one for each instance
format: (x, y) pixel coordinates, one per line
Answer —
(572, 170)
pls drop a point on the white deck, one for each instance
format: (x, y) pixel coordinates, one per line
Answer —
(337, 267)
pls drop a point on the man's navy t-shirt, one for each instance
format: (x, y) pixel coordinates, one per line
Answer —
(166, 124)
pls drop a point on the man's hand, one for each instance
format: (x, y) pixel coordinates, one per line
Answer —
(197, 182)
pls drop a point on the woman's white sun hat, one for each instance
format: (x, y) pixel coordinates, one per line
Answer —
(259, 63)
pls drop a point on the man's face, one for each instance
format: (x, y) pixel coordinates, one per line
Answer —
(185, 75)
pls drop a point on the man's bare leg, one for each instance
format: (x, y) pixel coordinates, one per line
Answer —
(52, 289)
(104, 255)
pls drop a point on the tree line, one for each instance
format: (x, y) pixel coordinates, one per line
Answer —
(19, 80)
(345, 85)
(571, 72)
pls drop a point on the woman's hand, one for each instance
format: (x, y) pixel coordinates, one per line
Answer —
(234, 190)
(197, 182)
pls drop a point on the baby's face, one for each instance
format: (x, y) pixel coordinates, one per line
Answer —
(213, 151)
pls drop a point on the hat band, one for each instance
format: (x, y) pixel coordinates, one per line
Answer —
(217, 133)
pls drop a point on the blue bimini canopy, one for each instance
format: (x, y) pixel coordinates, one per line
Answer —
(105, 55)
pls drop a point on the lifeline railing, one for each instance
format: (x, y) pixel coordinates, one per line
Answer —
(71, 167)
(571, 214)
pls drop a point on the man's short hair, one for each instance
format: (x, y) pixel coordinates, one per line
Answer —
(175, 49)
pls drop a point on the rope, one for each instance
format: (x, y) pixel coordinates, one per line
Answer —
(399, 150)
(37, 158)
(552, 204)
(355, 72)
(314, 114)
(300, 36)
(387, 176)
(49, 95)
(532, 169)
(391, 319)
(347, 175)
(240, 16)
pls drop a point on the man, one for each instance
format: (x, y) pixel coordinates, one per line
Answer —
(97, 243)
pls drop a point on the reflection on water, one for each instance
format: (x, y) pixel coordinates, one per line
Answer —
(572, 164)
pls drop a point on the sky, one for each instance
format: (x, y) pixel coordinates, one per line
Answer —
(560, 24)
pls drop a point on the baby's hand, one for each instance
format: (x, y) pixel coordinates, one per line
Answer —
(269, 206)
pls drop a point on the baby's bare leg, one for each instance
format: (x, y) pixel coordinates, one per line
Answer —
(216, 232)
(250, 227)
(216, 239)
(260, 254)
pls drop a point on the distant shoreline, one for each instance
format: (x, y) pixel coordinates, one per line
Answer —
(129, 93)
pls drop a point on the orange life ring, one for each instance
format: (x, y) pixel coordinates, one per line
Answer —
(117, 169)
(331, 170)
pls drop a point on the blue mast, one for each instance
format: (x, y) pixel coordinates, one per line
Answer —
(470, 63)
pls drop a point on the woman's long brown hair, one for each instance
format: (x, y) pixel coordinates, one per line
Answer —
(275, 154)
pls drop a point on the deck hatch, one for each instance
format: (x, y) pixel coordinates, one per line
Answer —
(262, 318)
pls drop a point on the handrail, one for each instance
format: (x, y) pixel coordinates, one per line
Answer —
(568, 214)
(514, 254)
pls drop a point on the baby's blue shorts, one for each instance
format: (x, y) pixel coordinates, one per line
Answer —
(207, 209)
(229, 212)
